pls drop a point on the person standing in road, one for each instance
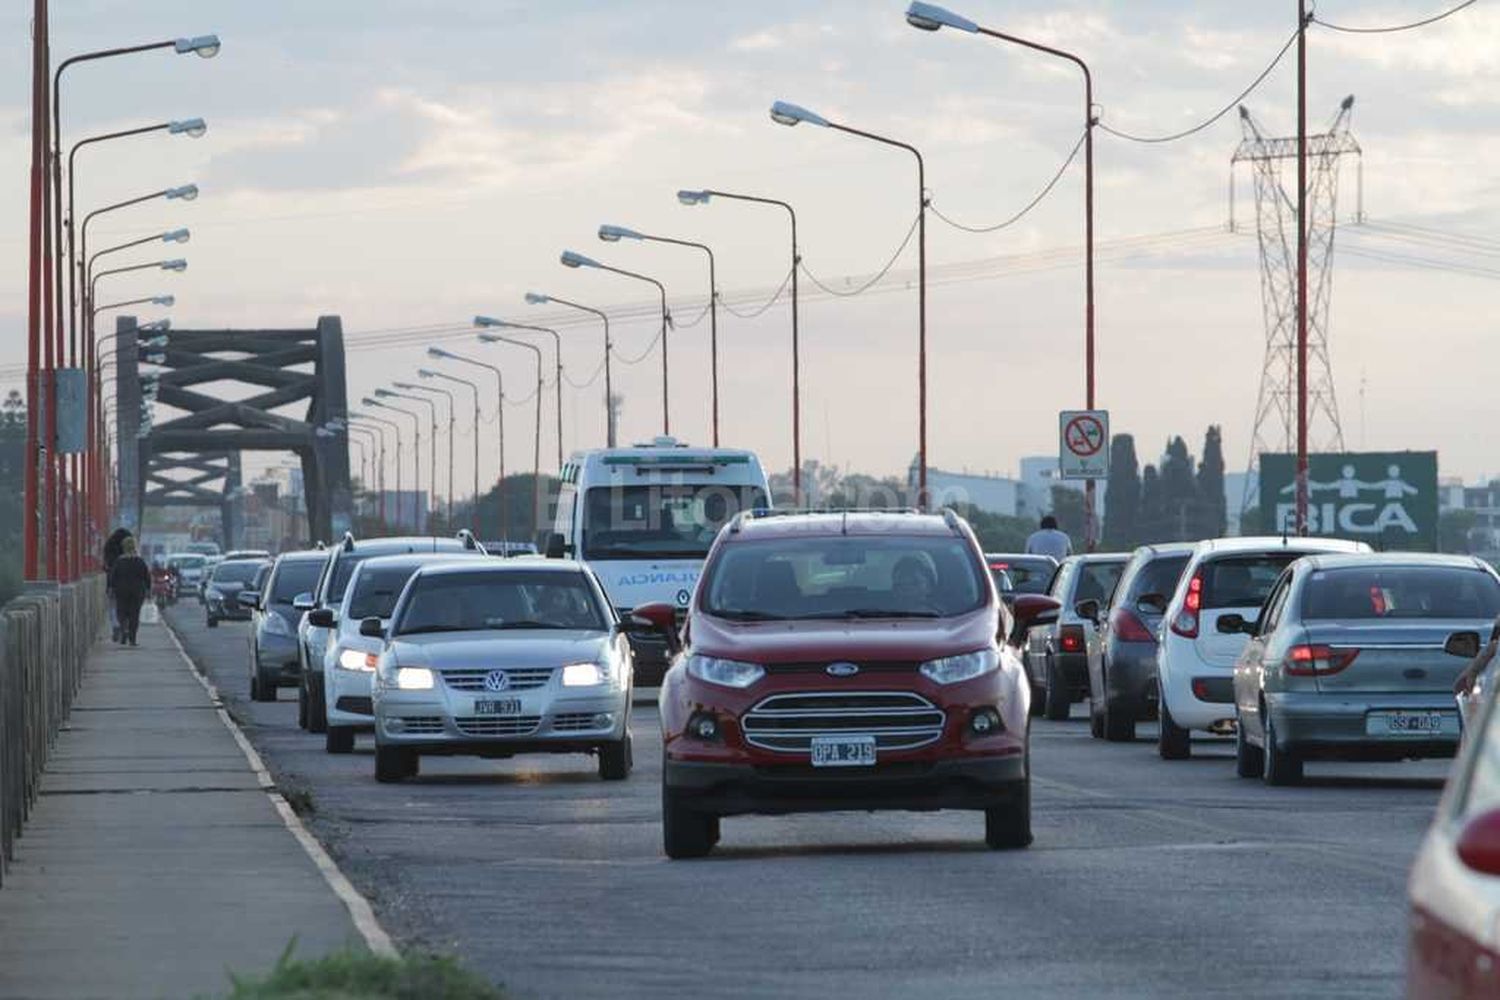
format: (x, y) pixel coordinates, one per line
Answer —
(130, 582)
(112, 546)
(1049, 541)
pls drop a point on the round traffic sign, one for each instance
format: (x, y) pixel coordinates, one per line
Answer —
(1084, 435)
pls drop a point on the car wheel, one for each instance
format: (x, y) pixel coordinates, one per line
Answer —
(685, 832)
(615, 760)
(1174, 742)
(212, 622)
(255, 686)
(1249, 759)
(1007, 826)
(395, 764)
(1279, 767)
(1038, 701)
(339, 739)
(1119, 724)
(1096, 719)
(317, 709)
(1059, 704)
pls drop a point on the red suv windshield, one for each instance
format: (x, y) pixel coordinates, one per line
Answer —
(854, 576)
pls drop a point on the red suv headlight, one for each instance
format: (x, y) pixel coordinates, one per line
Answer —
(963, 667)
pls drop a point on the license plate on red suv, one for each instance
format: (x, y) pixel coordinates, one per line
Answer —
(843, 751)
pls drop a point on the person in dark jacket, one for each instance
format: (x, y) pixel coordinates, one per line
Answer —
(130, 582)
(112, 547)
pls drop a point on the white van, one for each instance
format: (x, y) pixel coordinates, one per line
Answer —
(643, 519)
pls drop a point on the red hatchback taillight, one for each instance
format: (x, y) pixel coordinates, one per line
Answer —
(1317, 661)
(1070, 638)
(1128, 627)
(1186, 622)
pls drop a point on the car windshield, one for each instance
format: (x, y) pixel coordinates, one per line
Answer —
(1159, 576)
(660, 522)
(851, 576)
(1242, 581)
(293, 578)
(501, 599)
(376, 589)
(186, 562)
(1027, 576)
(1096, 580)
(238, 571)
(1400, 592)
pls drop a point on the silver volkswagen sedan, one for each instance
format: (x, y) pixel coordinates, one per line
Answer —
(501, 658)
(1347, 660)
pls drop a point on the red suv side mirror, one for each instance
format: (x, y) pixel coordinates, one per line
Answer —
(1032, 610)
(1479, 843)
(662, 617)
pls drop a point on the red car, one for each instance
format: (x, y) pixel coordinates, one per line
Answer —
(843, 661)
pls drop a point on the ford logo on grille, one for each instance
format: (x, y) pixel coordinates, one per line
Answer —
(496, 680)
(842, 669)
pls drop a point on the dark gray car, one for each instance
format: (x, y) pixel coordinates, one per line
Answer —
(1347, 660)
(273, 622)
(1122, 649)
(1057, 653)
(221, 596)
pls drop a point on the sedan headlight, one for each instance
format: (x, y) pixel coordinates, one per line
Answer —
(414, 679)
(215, 593)
(964, 667)
(729, 673)
(584, 675)
(353, 659)
(276, 625)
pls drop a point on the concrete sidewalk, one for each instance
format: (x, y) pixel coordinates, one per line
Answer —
(155, 860)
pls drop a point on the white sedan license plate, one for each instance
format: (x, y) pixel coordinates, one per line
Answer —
(497, 706)
(1411, 724)
(843, 751)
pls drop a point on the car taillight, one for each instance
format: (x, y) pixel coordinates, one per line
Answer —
(1128, 627)
(1070, 638)
(1186, 622)
(1317, 661)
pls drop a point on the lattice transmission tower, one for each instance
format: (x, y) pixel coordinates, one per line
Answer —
(1273, 163)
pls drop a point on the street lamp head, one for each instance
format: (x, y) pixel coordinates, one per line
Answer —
(490, 338)
(164, 300)
(174, 265)
(155, 341)
(783, 113)
(931, 17)
(367, 401)
(438, 352)
(324, 432)
(176, 236)
(693, 197)
(489, 321)
(571, 259)
(156, 359)
(187, 192)
(193, 128)
(536, 298)
(614, 234)
(156, 324)
(206, 46)
(404, 385)
(426, 373)
(384, 393)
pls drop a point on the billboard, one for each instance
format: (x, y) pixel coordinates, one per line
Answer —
(1387, 498)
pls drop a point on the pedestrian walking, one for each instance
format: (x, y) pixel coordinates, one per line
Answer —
(130, 582)
(1049, 541)
(112, 546)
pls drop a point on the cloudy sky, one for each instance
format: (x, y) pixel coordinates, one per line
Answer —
(405, 165)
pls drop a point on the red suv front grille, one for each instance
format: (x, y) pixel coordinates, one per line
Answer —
(787, 723)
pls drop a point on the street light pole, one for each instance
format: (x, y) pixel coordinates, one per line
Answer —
(431, 447)
(534, 298)
(536, 473)
(571, 259)
(441, 353)
(379, 434)
(416, 454)
(1302, 461)
(433, 373)
(930, 17)
(412, 386)
(557, 346)
(701, 198)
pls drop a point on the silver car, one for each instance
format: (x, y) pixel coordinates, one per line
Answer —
(1347, 660)
(495, 658)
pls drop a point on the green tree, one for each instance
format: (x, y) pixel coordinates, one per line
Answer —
(1179, 491)
(1212, 518)
(1152, 520)
(1067, 507)
(1122, 514)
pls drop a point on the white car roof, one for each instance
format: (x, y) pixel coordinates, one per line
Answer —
(1274, 543)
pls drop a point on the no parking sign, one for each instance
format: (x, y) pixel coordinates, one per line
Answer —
(1083, 444)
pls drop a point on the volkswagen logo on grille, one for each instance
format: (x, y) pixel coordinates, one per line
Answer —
(842, 669)
(496, 680)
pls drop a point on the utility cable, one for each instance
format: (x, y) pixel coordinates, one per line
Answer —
(761, 309)
(875, 278)
(1029, 205)
(643, 355)
(1356, 30)
(598, 371)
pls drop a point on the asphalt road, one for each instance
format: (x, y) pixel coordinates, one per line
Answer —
(1147, 879)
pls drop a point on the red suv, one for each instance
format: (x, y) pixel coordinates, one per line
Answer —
(843, 661)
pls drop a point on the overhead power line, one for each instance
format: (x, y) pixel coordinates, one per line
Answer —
(1386, 29)
(875, 278)
(1029, 205)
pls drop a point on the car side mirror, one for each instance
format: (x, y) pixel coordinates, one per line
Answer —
(322, 618)
(249, 599)
(1464, 644)
(1087, 609)
(371, 627)
(1152, 604)
(1232, 624)
(557, 546)
(1033, 611)
(661, 618)
(1479, 843)
(303, 602)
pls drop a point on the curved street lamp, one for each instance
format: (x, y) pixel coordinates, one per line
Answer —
(557, 347)
(416, 453)
(474, 388)
(536, 298)
(413, 387)
(784, 113)
(431, 447)
(442, 354)
(536, 474)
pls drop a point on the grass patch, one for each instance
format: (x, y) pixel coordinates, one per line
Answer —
(299, 798)
(358, 975)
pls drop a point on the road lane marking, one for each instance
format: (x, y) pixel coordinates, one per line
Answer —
(360, 911)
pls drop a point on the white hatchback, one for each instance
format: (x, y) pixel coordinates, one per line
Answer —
(1195, 662)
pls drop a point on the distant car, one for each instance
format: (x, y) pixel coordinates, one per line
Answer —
(349, 662)
(1122, 648)
(1195, 665)
(495, 659)
(1454, 888)
(239, 554)
(510, 550)
(274, 662)
(1057, 653)
(1347, 661)
(210, 549)
(1016, 573)
(192, 569)
(221, 595)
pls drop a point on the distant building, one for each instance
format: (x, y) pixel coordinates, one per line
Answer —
(991, 494)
